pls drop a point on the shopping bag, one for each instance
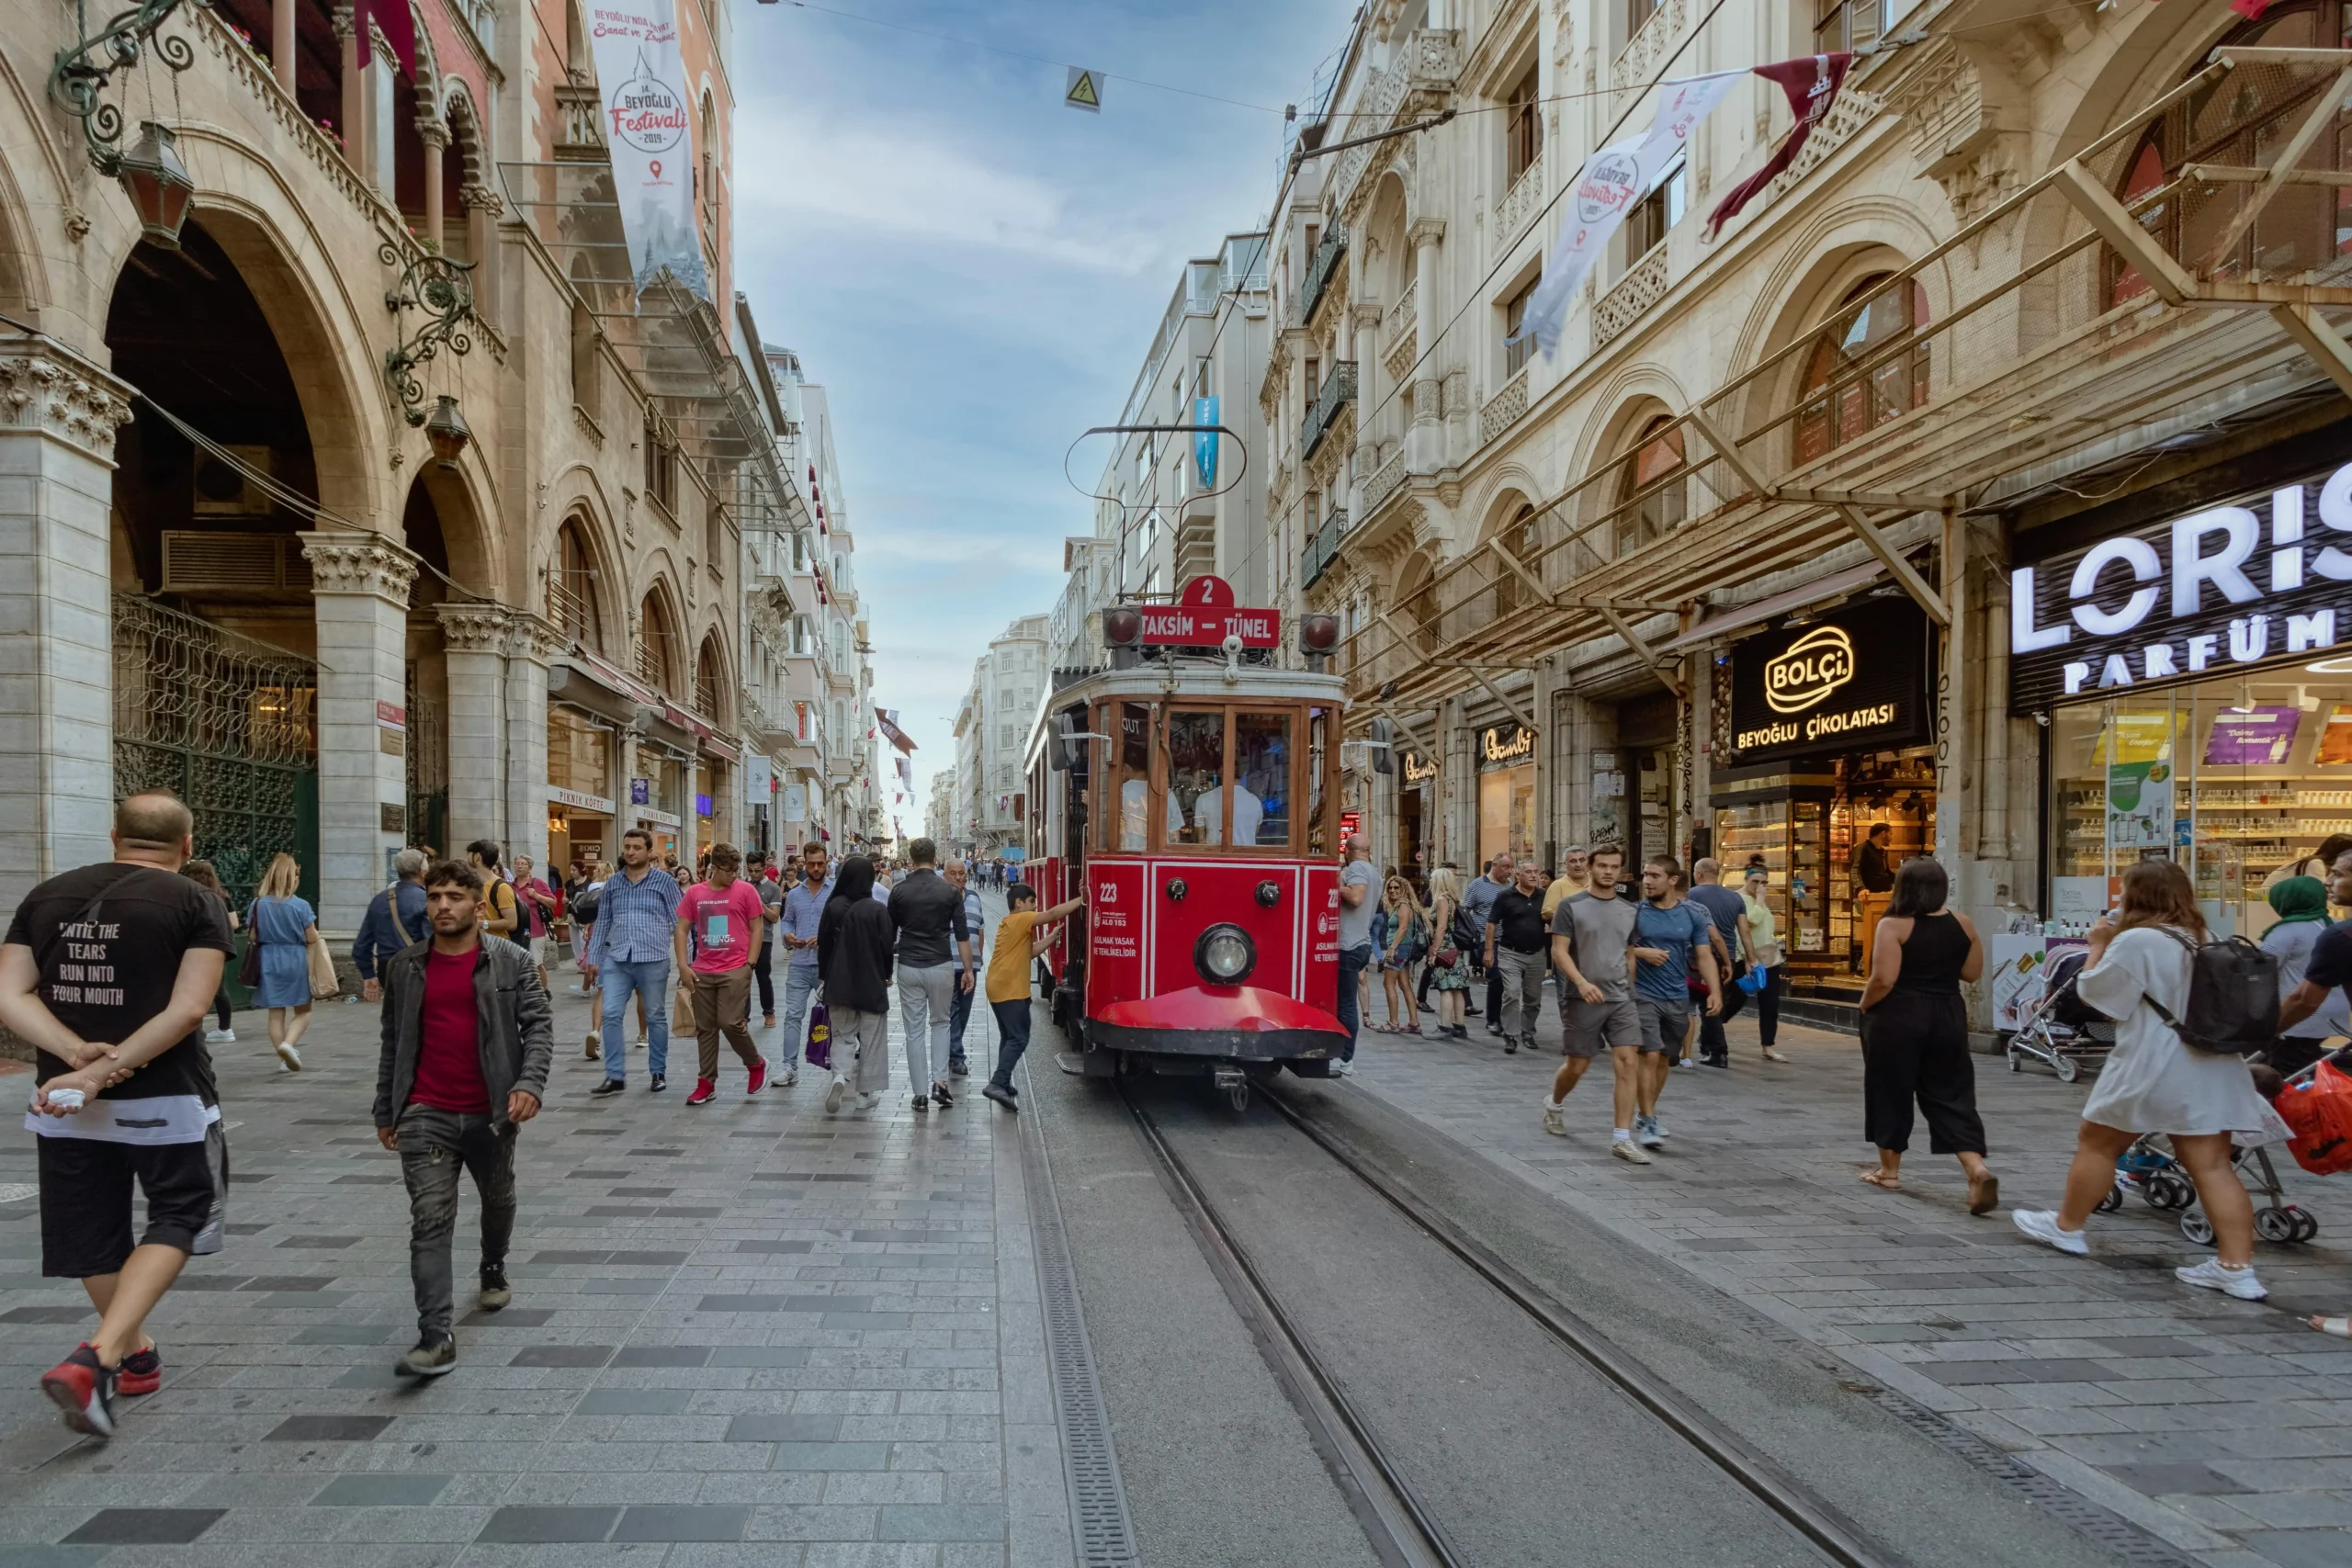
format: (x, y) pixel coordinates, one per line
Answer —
(2318, 1109)
(1753, 979)
(820, 1036)
(322, 981)
(681, 1008)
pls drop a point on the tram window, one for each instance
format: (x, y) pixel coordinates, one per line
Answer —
(1134, 771)
(1195, 778)
(1318, 737)
(1262, 758)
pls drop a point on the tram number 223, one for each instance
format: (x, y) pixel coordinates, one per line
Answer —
(1106, 893)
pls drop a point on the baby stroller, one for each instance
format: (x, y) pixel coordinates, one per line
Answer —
(2062, 1029)
(2149, 1169)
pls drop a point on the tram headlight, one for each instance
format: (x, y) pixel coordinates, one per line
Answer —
(1225, 955)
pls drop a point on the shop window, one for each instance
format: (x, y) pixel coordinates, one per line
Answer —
(1195, 779)
(1861, 374)
(579, 752)
(1654, 493)
(1262, 758)
(2243, 121)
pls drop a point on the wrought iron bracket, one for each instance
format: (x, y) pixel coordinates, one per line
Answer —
(82, 71)
(440, 288)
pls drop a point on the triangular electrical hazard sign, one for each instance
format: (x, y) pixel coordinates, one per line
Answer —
(1085, 91)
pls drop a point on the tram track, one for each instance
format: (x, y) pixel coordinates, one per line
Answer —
(1402, 1525)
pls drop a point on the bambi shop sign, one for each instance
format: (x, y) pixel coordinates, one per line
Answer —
(2265, 576)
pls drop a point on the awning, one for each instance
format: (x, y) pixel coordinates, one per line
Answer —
(1740, 616)
(579, 682)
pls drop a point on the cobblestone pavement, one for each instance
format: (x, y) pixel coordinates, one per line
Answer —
(2223, 1427)
(741, 1334)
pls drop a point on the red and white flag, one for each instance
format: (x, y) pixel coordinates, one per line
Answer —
(1812, 85)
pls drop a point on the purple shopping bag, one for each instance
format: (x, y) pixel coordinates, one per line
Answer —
(820, 1036)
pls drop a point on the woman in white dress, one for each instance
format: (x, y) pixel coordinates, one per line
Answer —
(2154, 1082)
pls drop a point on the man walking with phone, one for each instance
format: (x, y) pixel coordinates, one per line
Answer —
(804, 907)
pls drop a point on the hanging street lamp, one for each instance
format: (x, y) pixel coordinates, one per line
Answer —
(446, 427)
(158, 184)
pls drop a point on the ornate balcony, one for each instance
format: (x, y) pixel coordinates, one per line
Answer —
(1327, 257)
(1337, 392)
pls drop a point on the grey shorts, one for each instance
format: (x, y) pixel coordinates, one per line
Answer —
(1663, 1024)
(1591, 1026)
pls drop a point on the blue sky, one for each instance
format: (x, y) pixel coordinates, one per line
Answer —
(975, 271)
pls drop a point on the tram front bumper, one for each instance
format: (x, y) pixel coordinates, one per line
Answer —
(1237, 1023)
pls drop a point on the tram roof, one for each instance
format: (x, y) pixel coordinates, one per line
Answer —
(1201, 680)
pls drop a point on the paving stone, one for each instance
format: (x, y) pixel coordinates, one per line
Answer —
(562, 1356)
(543, 1526)
(635, 1402)
(783, 1429)
(673, 1522)
(145, 1526)
(329, 1429)
(380, 1491)
(663, 1356)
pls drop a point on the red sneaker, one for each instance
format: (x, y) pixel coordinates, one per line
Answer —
(85, 1391)
(705, 1088)
(759, 1077)
(142, 1371)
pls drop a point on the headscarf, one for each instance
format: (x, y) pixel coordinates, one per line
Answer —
(855, 881)
(2300, 898)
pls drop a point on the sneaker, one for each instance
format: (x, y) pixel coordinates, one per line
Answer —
(495, 1292)
(835, 1095)
(2210, 1275)
(923, 1104)
(1714, 1062)
(638, 1044)
(958, 1067)
(431, 1358)
(595, 1049)
(759, 1077)
(83, 1391)
(1648, 1133)
(1510, 1045)
(1341, 1070)
(1629, 1151)
(656, 1082)
(289, 1058)
(1552, 1123)
(791, 1077)
(867, 1102)
(575, 990)
(143, 1373)
(2042, 1224)
(706, 1091)
(605, 1089)
(219, 1037)
(1002, 1094)
(1496, 1030)
(1772, 1055)
(939, 1093)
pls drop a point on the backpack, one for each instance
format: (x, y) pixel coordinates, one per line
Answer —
(2232, 996)
(1468, 930)
(584, 904)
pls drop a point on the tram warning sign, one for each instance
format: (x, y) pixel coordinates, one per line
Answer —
(1085, 90)
(1205, 616)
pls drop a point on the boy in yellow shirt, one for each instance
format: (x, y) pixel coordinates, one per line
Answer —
(1021, 936)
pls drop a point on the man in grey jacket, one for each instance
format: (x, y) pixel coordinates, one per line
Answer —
(467, 1034)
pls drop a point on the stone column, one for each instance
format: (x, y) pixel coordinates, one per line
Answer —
(1424, 446)
(360, 585)
(473, 637)
(482, 206)
(355, 90)
(282, 13)
(57, 418)
(435, 138)
(531, 642)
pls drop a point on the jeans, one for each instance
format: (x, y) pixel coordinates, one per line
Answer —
(1767, 1008)
(1353, 962)
(925, 995)
(722, 1002)
(1012, 1029)
(799, 981)
(432, 1144)
(959, 1013)
(1522, 976)
(622, 980)
(1494, 997)
(761, 972)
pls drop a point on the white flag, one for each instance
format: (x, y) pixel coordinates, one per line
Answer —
(649, 130)
(1606, 188)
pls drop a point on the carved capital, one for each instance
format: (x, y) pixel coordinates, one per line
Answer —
(346, 25)
(474, 628)
(533, 638)
(1425, 231)
(478, 197)
(344, 561)
(47, 389)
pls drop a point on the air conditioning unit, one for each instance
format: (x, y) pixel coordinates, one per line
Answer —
(222, 490)
(199, 561)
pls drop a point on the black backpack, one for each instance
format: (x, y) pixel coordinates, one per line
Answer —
(2233, 997)
(584, 904)
(1468, 930)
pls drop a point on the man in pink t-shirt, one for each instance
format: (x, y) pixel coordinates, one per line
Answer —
(722, 914)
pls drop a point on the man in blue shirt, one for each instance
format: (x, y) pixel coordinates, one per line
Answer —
(960, 1011)
(804, 906)
(395, 921)
(636, 921)
(1478, 903)
(1672, 935)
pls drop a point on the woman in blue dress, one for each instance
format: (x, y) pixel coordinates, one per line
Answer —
(285, 925)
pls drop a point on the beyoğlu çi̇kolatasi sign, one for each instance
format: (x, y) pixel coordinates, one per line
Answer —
(1850, 680)
(649, 130)
(1205, 616)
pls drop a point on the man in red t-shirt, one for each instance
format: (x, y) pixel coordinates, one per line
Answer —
(467, 1033)
(723, 915)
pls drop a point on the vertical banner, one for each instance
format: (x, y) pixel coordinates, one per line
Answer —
(1204, 441)
(759, 780)
(649, 128)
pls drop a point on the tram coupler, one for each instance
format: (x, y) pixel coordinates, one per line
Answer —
(1229, 1078)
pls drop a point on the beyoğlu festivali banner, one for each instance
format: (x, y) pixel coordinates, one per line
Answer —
(649, 128)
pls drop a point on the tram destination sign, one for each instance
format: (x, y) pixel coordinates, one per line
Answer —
(1205, 616)
(1850, 680)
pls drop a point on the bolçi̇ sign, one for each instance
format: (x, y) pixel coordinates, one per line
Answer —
(2261, 576)
(649, 131)
(1852, 680)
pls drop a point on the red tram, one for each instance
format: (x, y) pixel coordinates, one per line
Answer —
(1189, 792)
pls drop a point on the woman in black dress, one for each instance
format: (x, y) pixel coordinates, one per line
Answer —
(1914, 1033)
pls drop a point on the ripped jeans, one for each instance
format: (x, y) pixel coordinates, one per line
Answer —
(433, 1144)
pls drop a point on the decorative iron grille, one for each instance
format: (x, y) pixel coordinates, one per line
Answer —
(428, 768)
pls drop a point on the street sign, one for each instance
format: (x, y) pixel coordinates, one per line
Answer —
(1085, 90)
(1205, 616)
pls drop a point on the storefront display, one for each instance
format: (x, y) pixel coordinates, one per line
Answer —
(2186, 663)
(580, 809)
(1506, 792)
(1416, 809)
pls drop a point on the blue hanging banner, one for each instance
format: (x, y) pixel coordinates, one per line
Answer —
(1204, 441)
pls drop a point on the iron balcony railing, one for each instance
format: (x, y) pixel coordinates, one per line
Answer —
(1322, 549)
(1318, 274)
(1337, 392)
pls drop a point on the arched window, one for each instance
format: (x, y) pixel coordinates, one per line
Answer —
(2241, 121)
(1654, 489)
(1840, 404)
(571, 590)
(710, 683)
(656, 646)
(706, 179)
(1522, 538)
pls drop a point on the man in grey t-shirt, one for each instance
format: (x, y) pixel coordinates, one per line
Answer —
(1592, 941)
(1478, 903)
(1359, 901)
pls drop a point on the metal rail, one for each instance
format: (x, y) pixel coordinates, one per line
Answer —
(1836, 1537)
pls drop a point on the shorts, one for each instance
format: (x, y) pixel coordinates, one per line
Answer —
(86, 1200)
(1663, 1024)
(1593, 1025)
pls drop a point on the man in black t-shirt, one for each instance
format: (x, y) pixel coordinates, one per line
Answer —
(108, 973)
(1517, 938)
(2330, 969)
